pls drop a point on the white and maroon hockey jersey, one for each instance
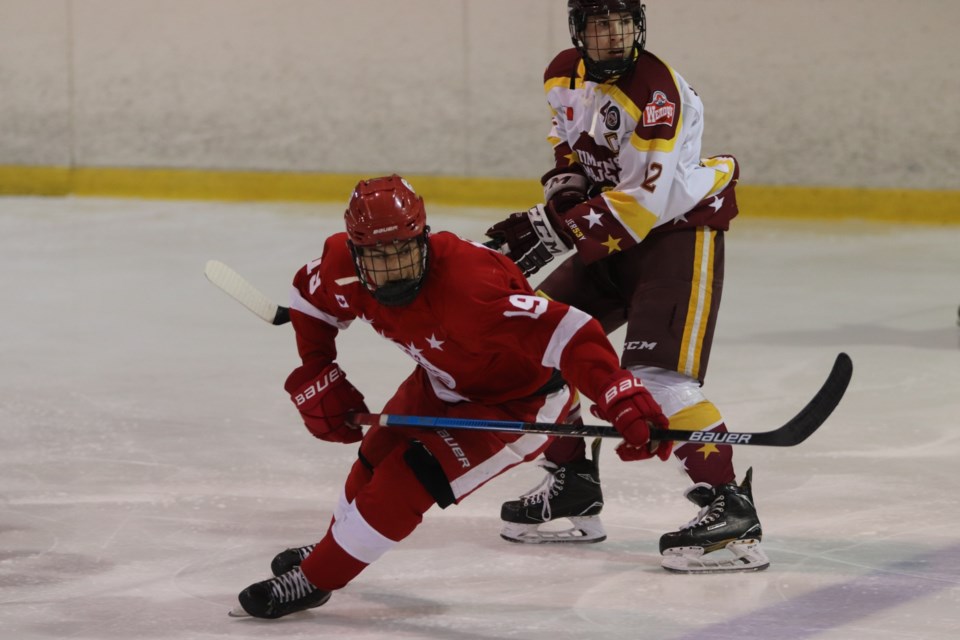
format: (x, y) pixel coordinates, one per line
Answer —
(637, 139)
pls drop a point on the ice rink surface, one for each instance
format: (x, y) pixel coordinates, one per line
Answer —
(151, 463)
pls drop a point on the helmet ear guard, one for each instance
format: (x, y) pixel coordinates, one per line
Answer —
(385, 215)
(577, 13)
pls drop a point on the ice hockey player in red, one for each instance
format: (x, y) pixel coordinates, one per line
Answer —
(646, 216)
(484, 347)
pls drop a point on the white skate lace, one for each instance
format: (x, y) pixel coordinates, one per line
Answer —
(544, 491)
(291, 586)
(708, 514)
(303, 552)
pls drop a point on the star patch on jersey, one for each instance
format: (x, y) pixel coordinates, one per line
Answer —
(593, 218)
(659, 110)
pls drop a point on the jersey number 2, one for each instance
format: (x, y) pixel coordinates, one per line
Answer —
(653, 174)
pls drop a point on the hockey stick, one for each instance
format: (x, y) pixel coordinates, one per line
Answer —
(795, 431)
(240, 289)
(237, 287)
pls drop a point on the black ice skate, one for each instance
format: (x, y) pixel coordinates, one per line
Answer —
(570, 491)
(727, 521)
(280, 596)
(289, 559)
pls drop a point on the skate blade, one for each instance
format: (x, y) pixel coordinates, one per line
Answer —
(239, 612)
(746, 555)
(583, 530)
(718, 568)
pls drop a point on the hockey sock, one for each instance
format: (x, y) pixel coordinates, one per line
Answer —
(329, 567)
(565, 450)
(387, 507)
(704, 462)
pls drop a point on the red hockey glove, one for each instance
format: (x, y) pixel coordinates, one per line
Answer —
(565, 188)
(325, 399)
(531, 238)
(628, 405)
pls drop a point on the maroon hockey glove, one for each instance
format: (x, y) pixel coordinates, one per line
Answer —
(564, 188)
(628, 405)
(531, 238)
(325, 399)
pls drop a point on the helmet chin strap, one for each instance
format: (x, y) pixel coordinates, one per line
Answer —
(609, 69)
(398, 293)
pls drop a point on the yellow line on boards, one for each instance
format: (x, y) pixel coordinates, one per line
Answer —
(823, 203)
(197, 184)
(767, 201)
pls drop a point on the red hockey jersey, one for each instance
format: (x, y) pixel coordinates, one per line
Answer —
(475, 328)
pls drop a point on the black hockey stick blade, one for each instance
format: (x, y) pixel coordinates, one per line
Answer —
(798, 429)
(812, 416)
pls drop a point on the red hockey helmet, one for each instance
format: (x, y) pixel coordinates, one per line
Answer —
(387, 230)
(383, 210)
(577, 13)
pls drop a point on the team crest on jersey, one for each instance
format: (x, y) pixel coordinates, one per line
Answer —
(611, 119)
(659, 111)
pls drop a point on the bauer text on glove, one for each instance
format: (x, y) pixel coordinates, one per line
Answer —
(325, 399)
(628, 405)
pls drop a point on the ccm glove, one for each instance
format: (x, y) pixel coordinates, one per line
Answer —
(531, 238)
(565, 188)
(325, 399)
(627, 404)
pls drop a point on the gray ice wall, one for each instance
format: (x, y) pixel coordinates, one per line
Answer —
(815, 92)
